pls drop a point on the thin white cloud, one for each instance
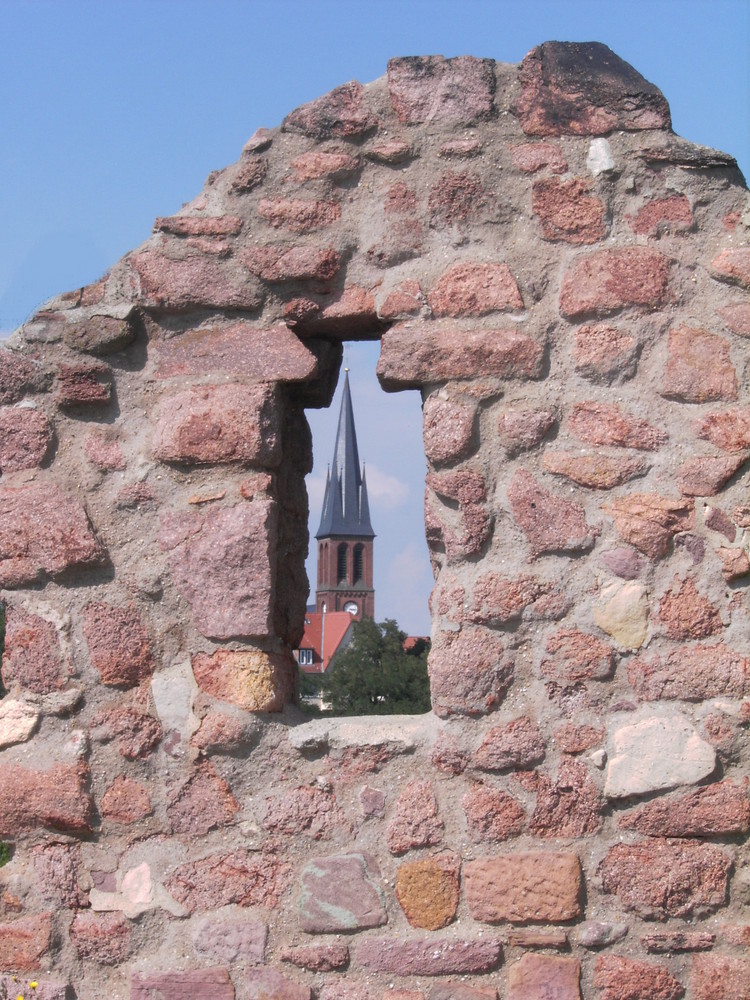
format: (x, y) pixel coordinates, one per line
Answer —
(316, 486)
(385, 490)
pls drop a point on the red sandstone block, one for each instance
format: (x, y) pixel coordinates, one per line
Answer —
(727, 429)
(104, 451)
(460, 148)
(544, 976)
(26, 438)
(308, 809)
(697, 883)
(119, 646)
(719, 977)
(607, 424)
(405, 300)
(415, 822)
(84, 385)
(470, 672)
(432, 88)
(242, 878)
(671, 942)
(649, 521)
(262, 354)
(686, 614)
(32, 658)
(199, 225)
(550, 522)
(57, 799)
(691, 673)
(197, 984)
(19, 376)
(427, 890)
(595, 471)
(316, 165)
(492, 814)
(567, 210)
(533, 156)
(340, 893)
(714, 810)
(433, 956)
(499, 600)
(346, 314)
(280, 263)
(519, 888)
(671, 214)
(268, 984)
(454, 198)
(400, 199)
(448, 428)
(736, 315)
(603, 353)
(610, 280)
(624, 979)
(516, 745)
(137, 733)
(202, 802)
(251, 679)
(105, 938)
(577, 656)
(568, 807)
(392, 151)
(126, 801)
(298, 215)
(341, 113)
(317, 957)
(169, 285)
(575, 739)
(733, 265)
(43, 533)
(25, 942)
(583, 88)
(707, 475)
(249, 174)
(699, 368)
(475, 289)
(521, 429)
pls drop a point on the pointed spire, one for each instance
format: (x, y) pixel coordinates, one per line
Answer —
(346, 509)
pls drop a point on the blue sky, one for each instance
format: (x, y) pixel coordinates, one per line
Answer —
(113, 112)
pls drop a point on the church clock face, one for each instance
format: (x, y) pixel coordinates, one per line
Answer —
(351, 607)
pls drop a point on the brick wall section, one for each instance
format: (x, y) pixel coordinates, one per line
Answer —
(567, 284)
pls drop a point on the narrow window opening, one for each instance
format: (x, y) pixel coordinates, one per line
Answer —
(359, 561)
(341, 560)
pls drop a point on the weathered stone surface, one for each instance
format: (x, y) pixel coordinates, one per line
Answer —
(24, 942)
(598, 934)
(168, 285)
(583, 88)
(492, 814)
(137, 732)
(516, 746)
(455, 198)
(308, 809)
(470, 673)
(435, 89)
(577, 656)
(433, 956)
(46, 989)
(103, 450)
(126, 801)
(315, 165)
(575, 739)
(528, 887)
(649, 521)
(19, 376)
(624, 563)
(268, 984)
(596, 471)
(339, 894)
(266, 354)
(720, 977)
(213, 424)
(197, 984)
(100, 334)
(715, 519)
(621, 978)
(531, 157)
(459, 148)
(242, 877)
(697, 883)
(221, 565)
(105, 938)
(622, 612)
(198, 225)
(670, 942)
(282, 263)
(448, 429)
(413, 354)
(348, 313)
(56, 873)
(654, 754)
(475, 289)
(119, 646)
(707, 475)
(299, 215)
(201, 803)
(32, 659)
(372, 801)
(728, 429)
(687, 614)
(84, 385)
(691, 673)
(603, 353)
(550, 522)
(522, 429)
(26, 438)
(249, 678)
(736, 315)
(427, 890)
(568, 807)
(733, 265)
(17, 722)
(501, 600)
(317, 957)
(671, 214)
(56, 799)
(415, 822)
(567, 210)
(454, 991)
(544, 976)
(714, 810)
(699, 368)
(609, 280)
(43, 533)
(607, 424)
(341, 114)
(735, 564)
(468, 490)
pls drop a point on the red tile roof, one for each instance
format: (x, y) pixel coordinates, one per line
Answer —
(324, 639)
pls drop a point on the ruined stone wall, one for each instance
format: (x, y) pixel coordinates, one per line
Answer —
(565, 281)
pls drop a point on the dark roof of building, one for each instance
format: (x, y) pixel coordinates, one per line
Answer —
(346, 509)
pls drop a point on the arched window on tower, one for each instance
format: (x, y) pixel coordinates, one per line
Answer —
(359, 563)
(341, 574)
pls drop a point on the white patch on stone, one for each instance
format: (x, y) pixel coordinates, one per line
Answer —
(17, 722)
(599, 160)
(173, 691)
(137, 894)
(656, 753)
(622, 613)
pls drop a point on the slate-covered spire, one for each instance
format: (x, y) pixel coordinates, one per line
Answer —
(346, 509)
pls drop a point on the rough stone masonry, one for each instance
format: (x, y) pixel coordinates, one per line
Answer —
(566, 283)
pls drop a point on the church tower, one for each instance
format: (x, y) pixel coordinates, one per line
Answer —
(345, 536)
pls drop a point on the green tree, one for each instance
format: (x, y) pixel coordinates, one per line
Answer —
(375, 675)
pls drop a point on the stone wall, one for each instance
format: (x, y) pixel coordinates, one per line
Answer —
(565, 281)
